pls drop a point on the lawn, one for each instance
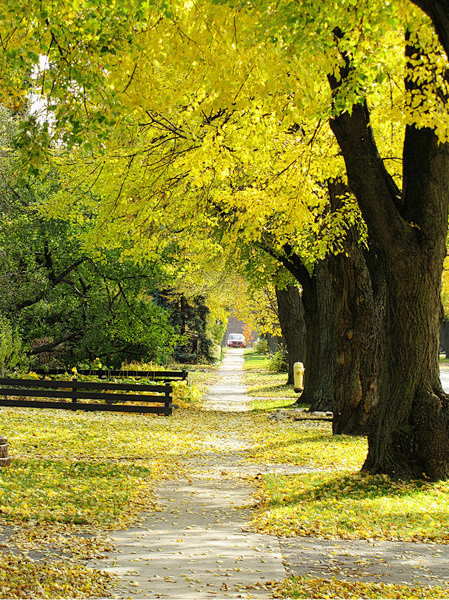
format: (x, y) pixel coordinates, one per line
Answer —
(268, 389)
(76, 475)
(73, 476)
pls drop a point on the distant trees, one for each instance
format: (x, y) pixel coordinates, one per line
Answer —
(70, 305)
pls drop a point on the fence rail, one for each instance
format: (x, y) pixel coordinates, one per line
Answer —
(107, 373)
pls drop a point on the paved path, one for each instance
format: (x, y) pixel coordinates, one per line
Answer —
(198, 545)
(229, 393)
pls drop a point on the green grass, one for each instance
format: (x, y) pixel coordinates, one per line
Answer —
(308, 444)
(315, 588)
(267, 389)
(87, 467)
(69, 491)
(329, 503)
(78, 472)
(203, 377)
(355, 506)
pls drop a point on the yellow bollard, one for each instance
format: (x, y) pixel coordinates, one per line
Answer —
(298, 377)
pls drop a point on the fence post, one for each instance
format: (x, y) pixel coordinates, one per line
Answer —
(74, 390)
(168, 399)
(5, 459)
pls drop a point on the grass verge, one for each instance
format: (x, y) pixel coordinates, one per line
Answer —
(267, 389)
(314, 588)
(355, 506)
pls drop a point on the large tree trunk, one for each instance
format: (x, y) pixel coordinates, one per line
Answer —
(312, 357)
(410, 436)
(357, 365)
(358, 308)
(291, 320)
(318, 360)
(322, 399)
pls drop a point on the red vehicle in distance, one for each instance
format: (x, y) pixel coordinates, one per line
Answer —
(236, 340)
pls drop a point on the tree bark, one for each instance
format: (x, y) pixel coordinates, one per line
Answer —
(291, 320)
(358, 308)
(410, 435)
(357, 363)
(318, 362)
(324, 391)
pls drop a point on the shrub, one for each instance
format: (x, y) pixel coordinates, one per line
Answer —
(11, 348)
(261, 346)
(184, 394)
(278, 362)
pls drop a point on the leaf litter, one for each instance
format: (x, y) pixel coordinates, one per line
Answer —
(90, 473)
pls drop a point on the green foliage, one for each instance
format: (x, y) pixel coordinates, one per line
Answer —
(261, 346)
(190, 318)
(278, 362)
(70, 305)
(11, 347)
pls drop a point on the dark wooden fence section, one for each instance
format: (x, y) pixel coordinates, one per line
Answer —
(84, 395)
(108, 373)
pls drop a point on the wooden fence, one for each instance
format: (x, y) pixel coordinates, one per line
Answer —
(108, 373)
(88, 396)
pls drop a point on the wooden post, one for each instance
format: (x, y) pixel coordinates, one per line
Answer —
(5, 459)
(74, 390)
(168, 399)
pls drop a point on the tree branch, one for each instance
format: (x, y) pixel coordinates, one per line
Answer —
(377, 194)
(55, 280)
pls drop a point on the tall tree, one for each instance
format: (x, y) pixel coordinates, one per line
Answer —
(249, 132)
(291, 320)
(409, 229)
(359, 308)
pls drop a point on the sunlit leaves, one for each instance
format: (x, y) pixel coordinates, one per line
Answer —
(313, 587)
(330, 506)
(24, 578)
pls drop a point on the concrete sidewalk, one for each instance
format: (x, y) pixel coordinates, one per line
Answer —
(198, 544)
(229, 393)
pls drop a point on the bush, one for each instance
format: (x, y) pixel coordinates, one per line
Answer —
(278, 362)
(11, 348)
(184, 394)
(261, 346)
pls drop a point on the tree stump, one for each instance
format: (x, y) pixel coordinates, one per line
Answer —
(5, 459)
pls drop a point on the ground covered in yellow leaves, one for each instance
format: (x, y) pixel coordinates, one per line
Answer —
(314, 588)
(76, 475)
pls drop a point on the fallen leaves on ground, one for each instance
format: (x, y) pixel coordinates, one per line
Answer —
(24, 578)
(314, 588)
(75, 475)
(307, 444)
(355, 506)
